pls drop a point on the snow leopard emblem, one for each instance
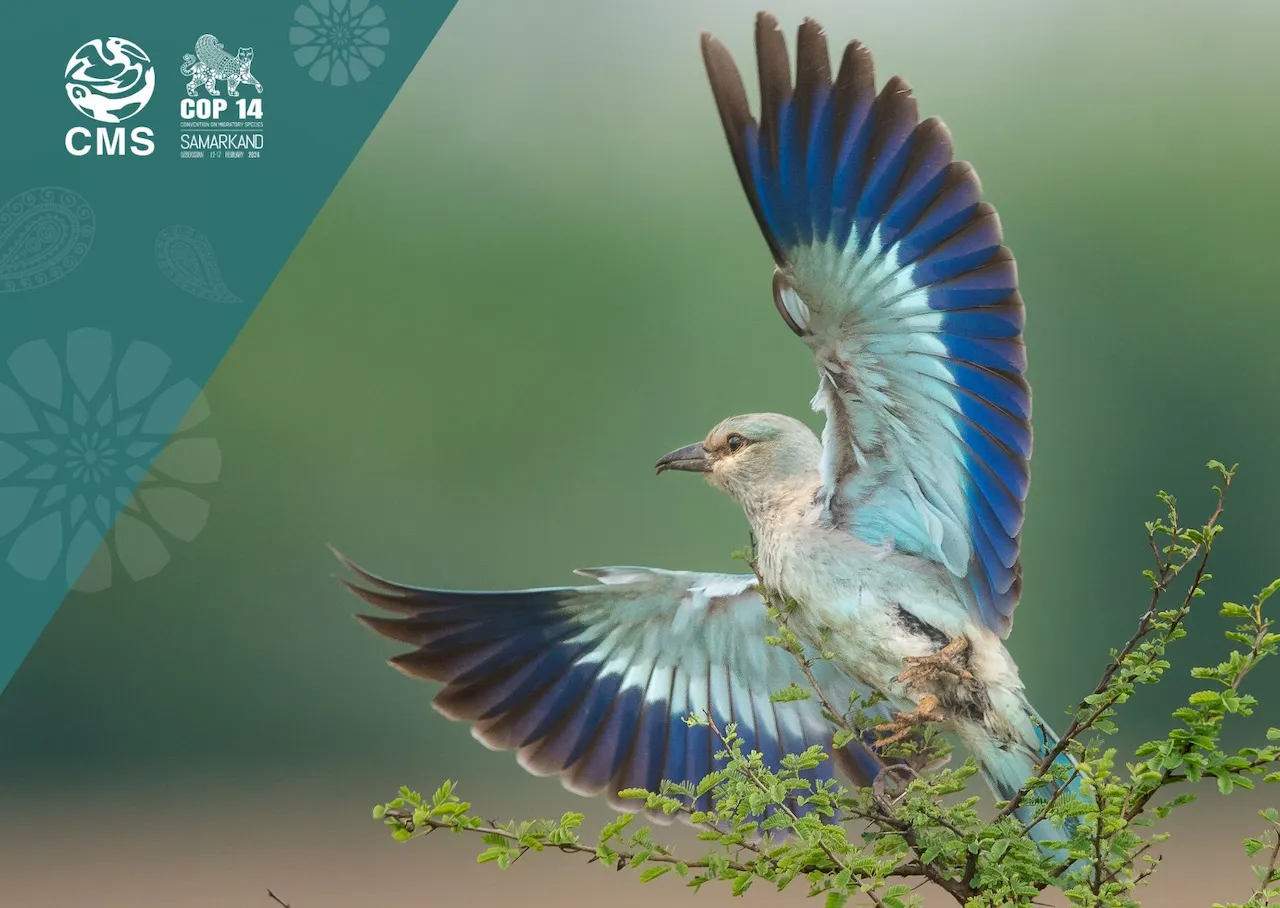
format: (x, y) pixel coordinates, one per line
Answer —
(211, 64)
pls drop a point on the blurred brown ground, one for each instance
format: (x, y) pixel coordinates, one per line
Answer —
(177, 843)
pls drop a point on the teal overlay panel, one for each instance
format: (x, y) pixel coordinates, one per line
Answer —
(160, 161)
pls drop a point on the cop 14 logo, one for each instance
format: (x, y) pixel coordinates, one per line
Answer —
(110, 80)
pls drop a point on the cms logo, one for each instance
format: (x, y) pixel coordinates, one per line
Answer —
(110, 80)
(138, 141)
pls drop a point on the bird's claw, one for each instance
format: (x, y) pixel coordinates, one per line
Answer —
(950, 660)
(927, 710)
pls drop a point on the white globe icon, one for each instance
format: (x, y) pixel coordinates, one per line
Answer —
(110, 79)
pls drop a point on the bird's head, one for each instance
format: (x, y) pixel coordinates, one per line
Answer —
(752, 457)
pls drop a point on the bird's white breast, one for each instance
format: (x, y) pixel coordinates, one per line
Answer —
(854, 595)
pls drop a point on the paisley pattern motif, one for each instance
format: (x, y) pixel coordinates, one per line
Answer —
(185, 257)
(45, 232)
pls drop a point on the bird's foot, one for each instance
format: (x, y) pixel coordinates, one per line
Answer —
(927, 710)
(922, 671)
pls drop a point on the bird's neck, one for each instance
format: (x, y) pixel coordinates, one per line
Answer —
(782, 508)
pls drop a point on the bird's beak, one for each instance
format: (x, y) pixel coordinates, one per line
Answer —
(693, 458)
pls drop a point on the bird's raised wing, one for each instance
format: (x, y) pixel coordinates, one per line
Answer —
(892, 271)
(592, 683)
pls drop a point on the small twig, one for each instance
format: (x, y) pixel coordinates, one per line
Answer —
(1058, 790)
(1115, 872)
(405, 818)
(878, 785)
(1097, 846)
(277, 899)
(786, 808)
(1166, 573)
(1265, 882)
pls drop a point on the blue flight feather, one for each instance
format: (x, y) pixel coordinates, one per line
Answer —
(593, 683)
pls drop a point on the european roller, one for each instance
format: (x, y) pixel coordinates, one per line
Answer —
(897, 533)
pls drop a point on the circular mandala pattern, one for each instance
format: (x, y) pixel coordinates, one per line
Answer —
(85, 432)
(339, 41)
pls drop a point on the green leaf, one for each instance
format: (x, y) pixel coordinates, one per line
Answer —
(792, 692)
(653, 871)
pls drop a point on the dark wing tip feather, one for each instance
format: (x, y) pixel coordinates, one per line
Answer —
(897, 113)
(896, 89)
(773, 60)
(730, 95)
(417, 664)
(388, 598)
(364, 575)
(857, 75)
(965, 173)
(813, 62)
(774, 65)
(932, 145)
(935, 126)
(766, 22)
(726, 83)
(401, 630)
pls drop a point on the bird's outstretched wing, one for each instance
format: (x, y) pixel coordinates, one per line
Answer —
(593, 683)
(892, 270)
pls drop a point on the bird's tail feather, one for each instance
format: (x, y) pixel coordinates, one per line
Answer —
(1007, 768)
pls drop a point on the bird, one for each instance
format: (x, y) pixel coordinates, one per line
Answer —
(895, 534)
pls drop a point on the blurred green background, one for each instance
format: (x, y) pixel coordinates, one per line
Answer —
(540, 274)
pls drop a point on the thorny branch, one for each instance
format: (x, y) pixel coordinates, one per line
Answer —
(421, 826)
(1107, 694)
(1268, 874)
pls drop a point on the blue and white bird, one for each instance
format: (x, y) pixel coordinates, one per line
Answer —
(897, 533)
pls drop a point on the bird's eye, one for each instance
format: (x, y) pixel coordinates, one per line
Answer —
(735, 441)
